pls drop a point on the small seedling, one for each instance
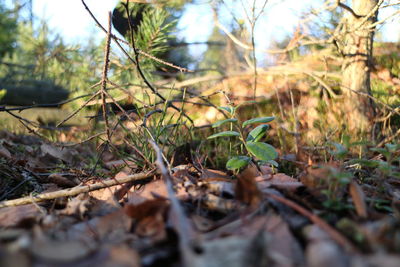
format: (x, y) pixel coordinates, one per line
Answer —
(265, 153)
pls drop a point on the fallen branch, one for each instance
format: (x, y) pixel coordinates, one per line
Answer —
(76, 190)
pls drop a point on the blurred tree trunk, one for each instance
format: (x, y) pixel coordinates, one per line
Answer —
(358, 34)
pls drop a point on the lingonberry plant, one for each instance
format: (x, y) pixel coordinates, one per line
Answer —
(256, 151)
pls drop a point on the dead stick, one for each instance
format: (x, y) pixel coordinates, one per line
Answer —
(76, 190)
(332, 232)
(184, 229)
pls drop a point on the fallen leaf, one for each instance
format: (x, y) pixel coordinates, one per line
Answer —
(12, 216)
(152, 189)
(218, 187)
(278, 180)
(57, 153)
(218, 204)
(122, 256)
(61, 180)
(322, 250)
(247, 191)
(212, 174)
(234, 251)
(149, 218)
(4, 152)
(112, 227)
(358, 197)
(77, 206)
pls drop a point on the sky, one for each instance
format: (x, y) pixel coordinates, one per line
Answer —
(71, 20)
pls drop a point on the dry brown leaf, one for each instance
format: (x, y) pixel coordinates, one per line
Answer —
(182, 174)
(246, 189)
(60, 180)
(218, 204)
(152, 189)
(218, 187)
(358, 197)
(112, 227)
(322, 250)
(150, 218)
(77, 206)
(213, 174)
(122, 256)
(251, 171)
(325, 253)
(233, 251)
(279, 180)
(283, 247)
(12, 216)
(4, 153)
(57, 153)
(146, 209)
(153, 227)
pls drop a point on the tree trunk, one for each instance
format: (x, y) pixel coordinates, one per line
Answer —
(357, 44)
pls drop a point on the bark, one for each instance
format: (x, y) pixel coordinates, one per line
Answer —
(357, 46)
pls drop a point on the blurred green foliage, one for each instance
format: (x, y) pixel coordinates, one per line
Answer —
(8, 26)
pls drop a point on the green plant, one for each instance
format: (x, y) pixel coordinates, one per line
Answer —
(265, 153)
(389, 167)
(337, 182)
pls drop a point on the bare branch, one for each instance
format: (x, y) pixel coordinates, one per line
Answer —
(349, 9)
(77, 189)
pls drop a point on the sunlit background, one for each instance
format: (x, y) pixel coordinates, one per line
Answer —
(71, 20)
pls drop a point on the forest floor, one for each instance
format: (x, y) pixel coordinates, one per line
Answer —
(56, 211)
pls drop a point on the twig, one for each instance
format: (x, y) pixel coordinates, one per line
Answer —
(84, 141)
(181, 69)
(76, 190)
(103, 88)
(26, 122)
(349, 9)
(332, 232)
(324, 84)
(183, 226)
(79, 109)
(389, 138)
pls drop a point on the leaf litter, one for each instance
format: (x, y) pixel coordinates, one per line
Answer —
(189, 217)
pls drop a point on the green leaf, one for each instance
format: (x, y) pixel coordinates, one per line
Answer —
(383, 151)
(237, 162)
(229, 109)
(262, 151)
(219, 123)
(257, 133)
(392, 147)
(340, 151)
(258, 120)
(223, 134)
